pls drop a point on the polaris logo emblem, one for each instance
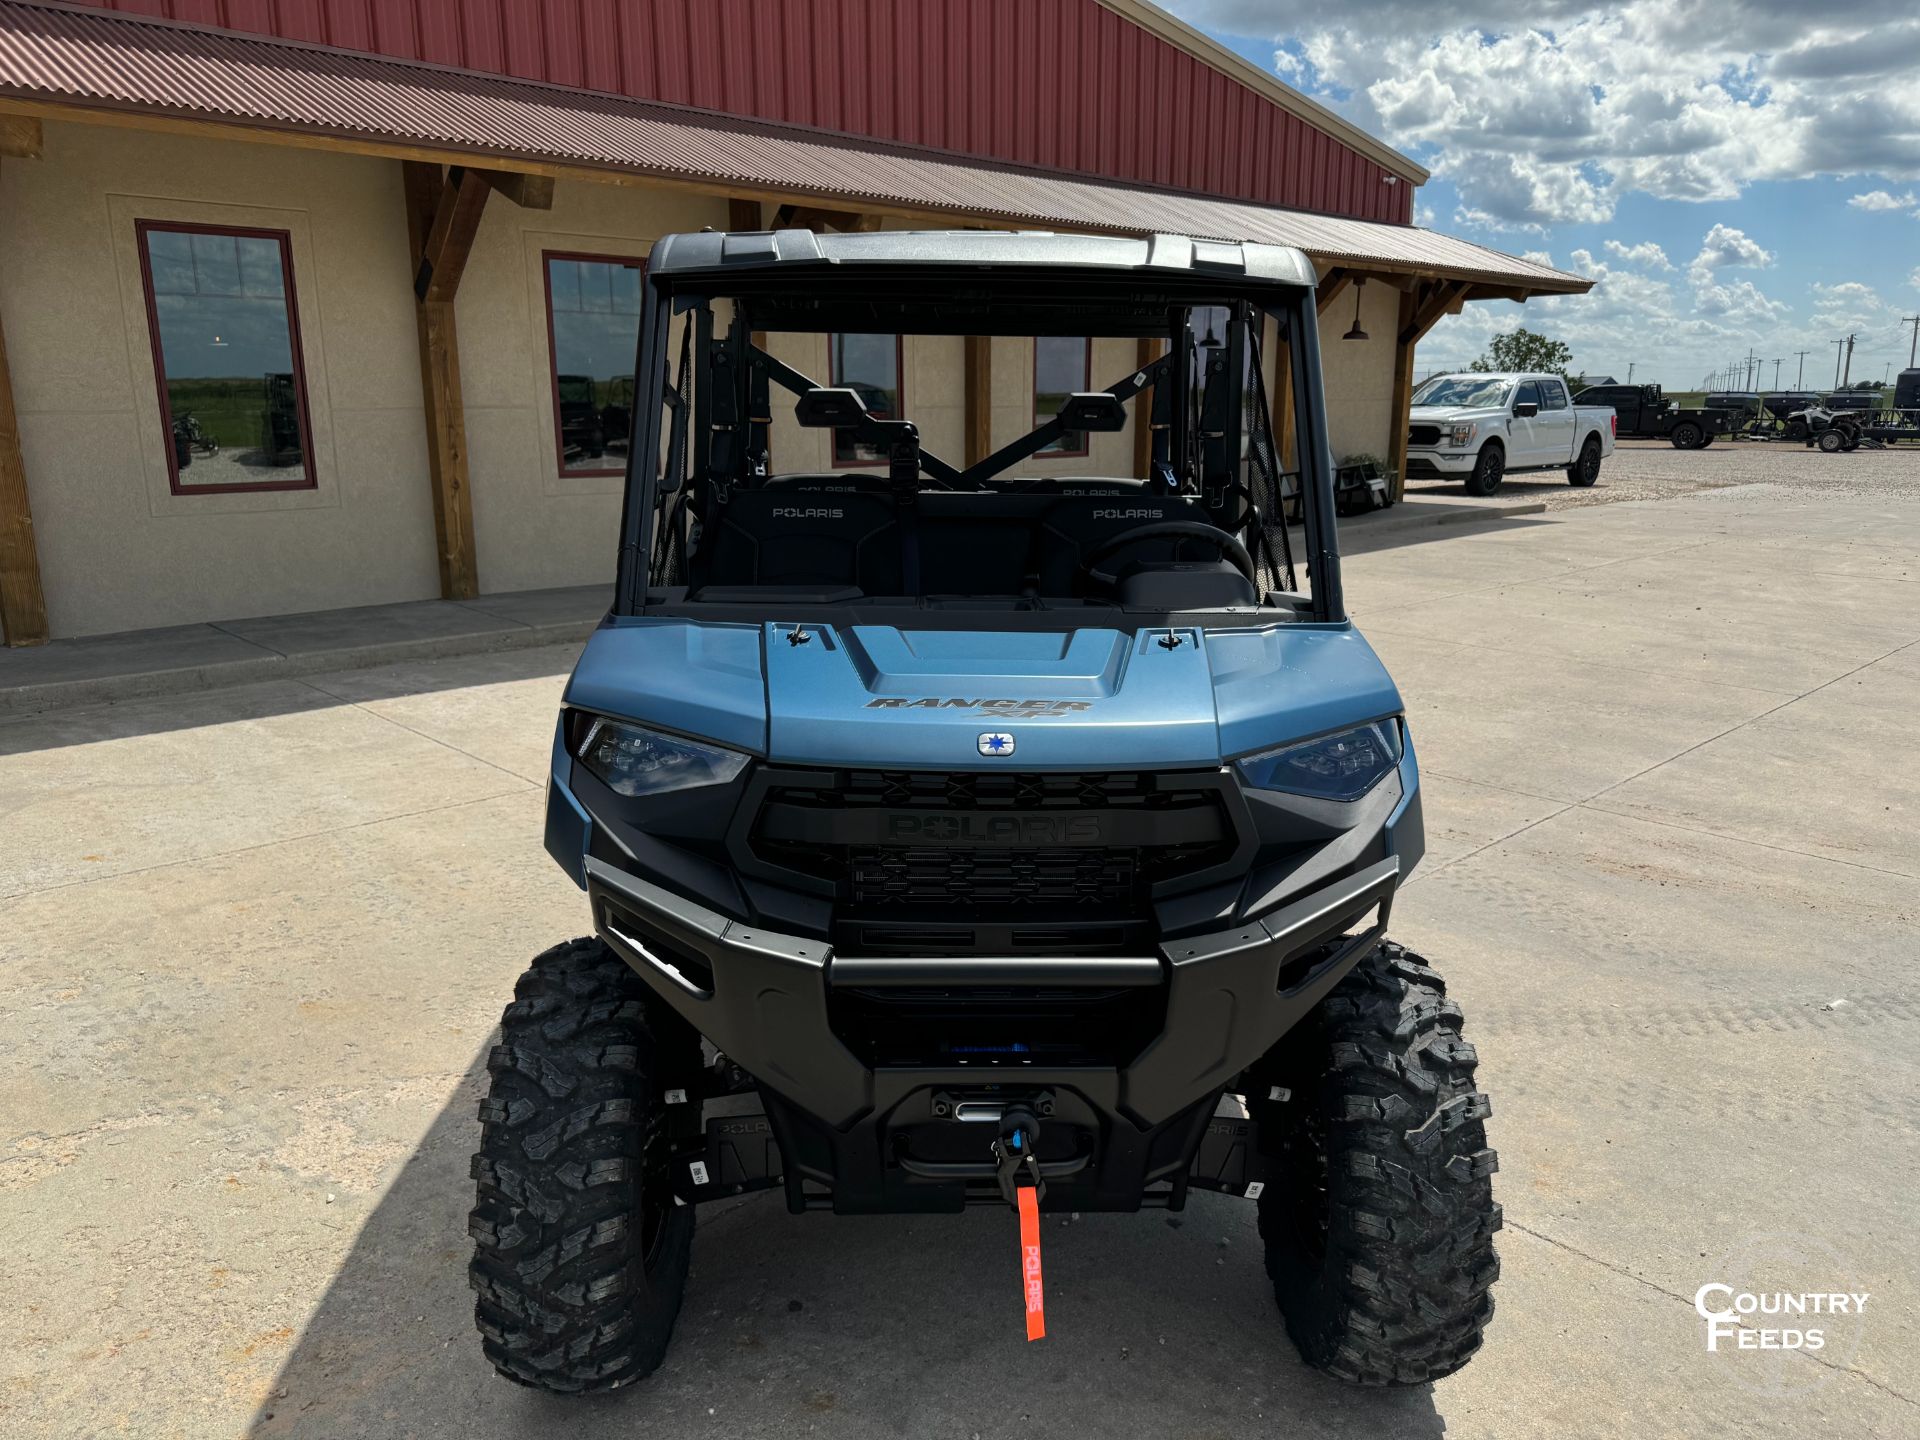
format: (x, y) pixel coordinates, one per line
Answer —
(996, 742)
(812, 512)
(1128, 514)
(968, 829)
(1018, 709)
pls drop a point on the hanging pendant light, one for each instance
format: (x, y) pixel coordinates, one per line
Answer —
(1356, 333)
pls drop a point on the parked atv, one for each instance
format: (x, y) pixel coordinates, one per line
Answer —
(1831, 430)
(980, 834)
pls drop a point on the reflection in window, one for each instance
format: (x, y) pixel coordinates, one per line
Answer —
(869, 365)
(593, 318)
(227, 355)
(1061, 366)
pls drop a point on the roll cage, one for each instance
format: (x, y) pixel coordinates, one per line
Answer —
(716, 383)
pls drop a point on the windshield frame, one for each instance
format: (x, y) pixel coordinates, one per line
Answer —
(694, 294)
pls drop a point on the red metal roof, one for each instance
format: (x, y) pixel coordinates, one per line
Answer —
(1061, 84)
(90, 59)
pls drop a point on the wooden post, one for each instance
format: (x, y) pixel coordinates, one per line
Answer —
(1281, 411)
(1420, 310)
(1146, 351)
(978, 412)
(743, 214)
(21, 136)
(1398, 412)
(443, 215)
(23, 604)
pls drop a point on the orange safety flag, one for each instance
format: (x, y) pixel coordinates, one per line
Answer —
(1030, 1263)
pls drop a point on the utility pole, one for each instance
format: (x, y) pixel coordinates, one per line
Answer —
(1913, 346)
(1753, 361)
(1838, 346)
(1630, 365)
(1776, 372)
(1848, 377)
(1800, 380)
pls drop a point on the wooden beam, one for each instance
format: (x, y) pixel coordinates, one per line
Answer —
(1331, 289)
(743, 214)
(1400, 411)
(1280, 415)
(456, 220)
(978, 413)
(23, 605)
(816, 217)
(1432, 303)
(443, 215)
(1145, 351)
(21, 137)
(529, 192)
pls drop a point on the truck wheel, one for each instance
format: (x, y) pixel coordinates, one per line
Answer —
(580, 1254)
(1379, 1227)
(1488, 470)
(1686, 436)
(1584, 471)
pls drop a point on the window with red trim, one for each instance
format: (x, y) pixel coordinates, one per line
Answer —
(226, 354)
(1062, 365)
(593, 332)
(870, 365)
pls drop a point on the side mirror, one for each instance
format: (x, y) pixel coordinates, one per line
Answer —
(1522, 409)
(830, 408)
(1093, 410)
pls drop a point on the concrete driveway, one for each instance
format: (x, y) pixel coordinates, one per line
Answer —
(252, 944)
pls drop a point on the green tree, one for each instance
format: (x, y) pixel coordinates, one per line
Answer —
(1526, 351)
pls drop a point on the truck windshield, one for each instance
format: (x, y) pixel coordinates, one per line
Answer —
(1463, 390)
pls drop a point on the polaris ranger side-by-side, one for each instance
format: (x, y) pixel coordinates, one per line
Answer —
(971, 833)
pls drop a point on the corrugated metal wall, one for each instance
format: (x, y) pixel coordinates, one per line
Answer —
(1065, 84)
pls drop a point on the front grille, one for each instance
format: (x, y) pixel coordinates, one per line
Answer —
(1425, 435)
(992, 857)
(994, 880)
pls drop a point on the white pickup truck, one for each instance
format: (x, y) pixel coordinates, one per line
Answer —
(1483, 426)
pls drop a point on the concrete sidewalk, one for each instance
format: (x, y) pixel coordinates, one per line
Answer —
(140, 664)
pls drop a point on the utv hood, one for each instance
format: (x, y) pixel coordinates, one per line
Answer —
(1090, 699)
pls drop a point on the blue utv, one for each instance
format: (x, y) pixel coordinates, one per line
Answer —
(1016, 827)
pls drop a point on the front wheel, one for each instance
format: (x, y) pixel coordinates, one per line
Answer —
(1687, 436)
(580, 1254)
(1584, 471)
(1832, 442)
(1379, 1224)
(1489, 468)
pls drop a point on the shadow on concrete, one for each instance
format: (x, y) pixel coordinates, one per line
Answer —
(873, 1326)
(288, 695)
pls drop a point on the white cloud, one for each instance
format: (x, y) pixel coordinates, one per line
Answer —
(1647, 255)
(1551, 110)
(1914, 278)
(1882, 200)
(1725, 248)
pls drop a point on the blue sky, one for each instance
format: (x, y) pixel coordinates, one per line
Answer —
(1736, 177)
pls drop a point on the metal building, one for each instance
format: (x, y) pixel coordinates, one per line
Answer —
(318, 304)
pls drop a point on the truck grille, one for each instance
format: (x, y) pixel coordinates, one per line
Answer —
(1423, 435)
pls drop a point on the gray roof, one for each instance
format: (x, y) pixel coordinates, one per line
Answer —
(1160, 254)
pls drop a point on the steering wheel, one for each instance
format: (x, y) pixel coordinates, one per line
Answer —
(1226, 544)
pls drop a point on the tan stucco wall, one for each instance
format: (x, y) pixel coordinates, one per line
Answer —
(1359, 373)
(117, 549)
(534, 527)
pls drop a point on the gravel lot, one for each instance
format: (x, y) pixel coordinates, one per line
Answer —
(1654, 470)
(253, 945)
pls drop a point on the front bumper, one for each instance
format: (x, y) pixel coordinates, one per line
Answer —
(1432, 461)
(766, 999)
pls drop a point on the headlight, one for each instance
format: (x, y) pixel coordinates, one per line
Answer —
(1344, 766)
(1463, 434)
(629, 760)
